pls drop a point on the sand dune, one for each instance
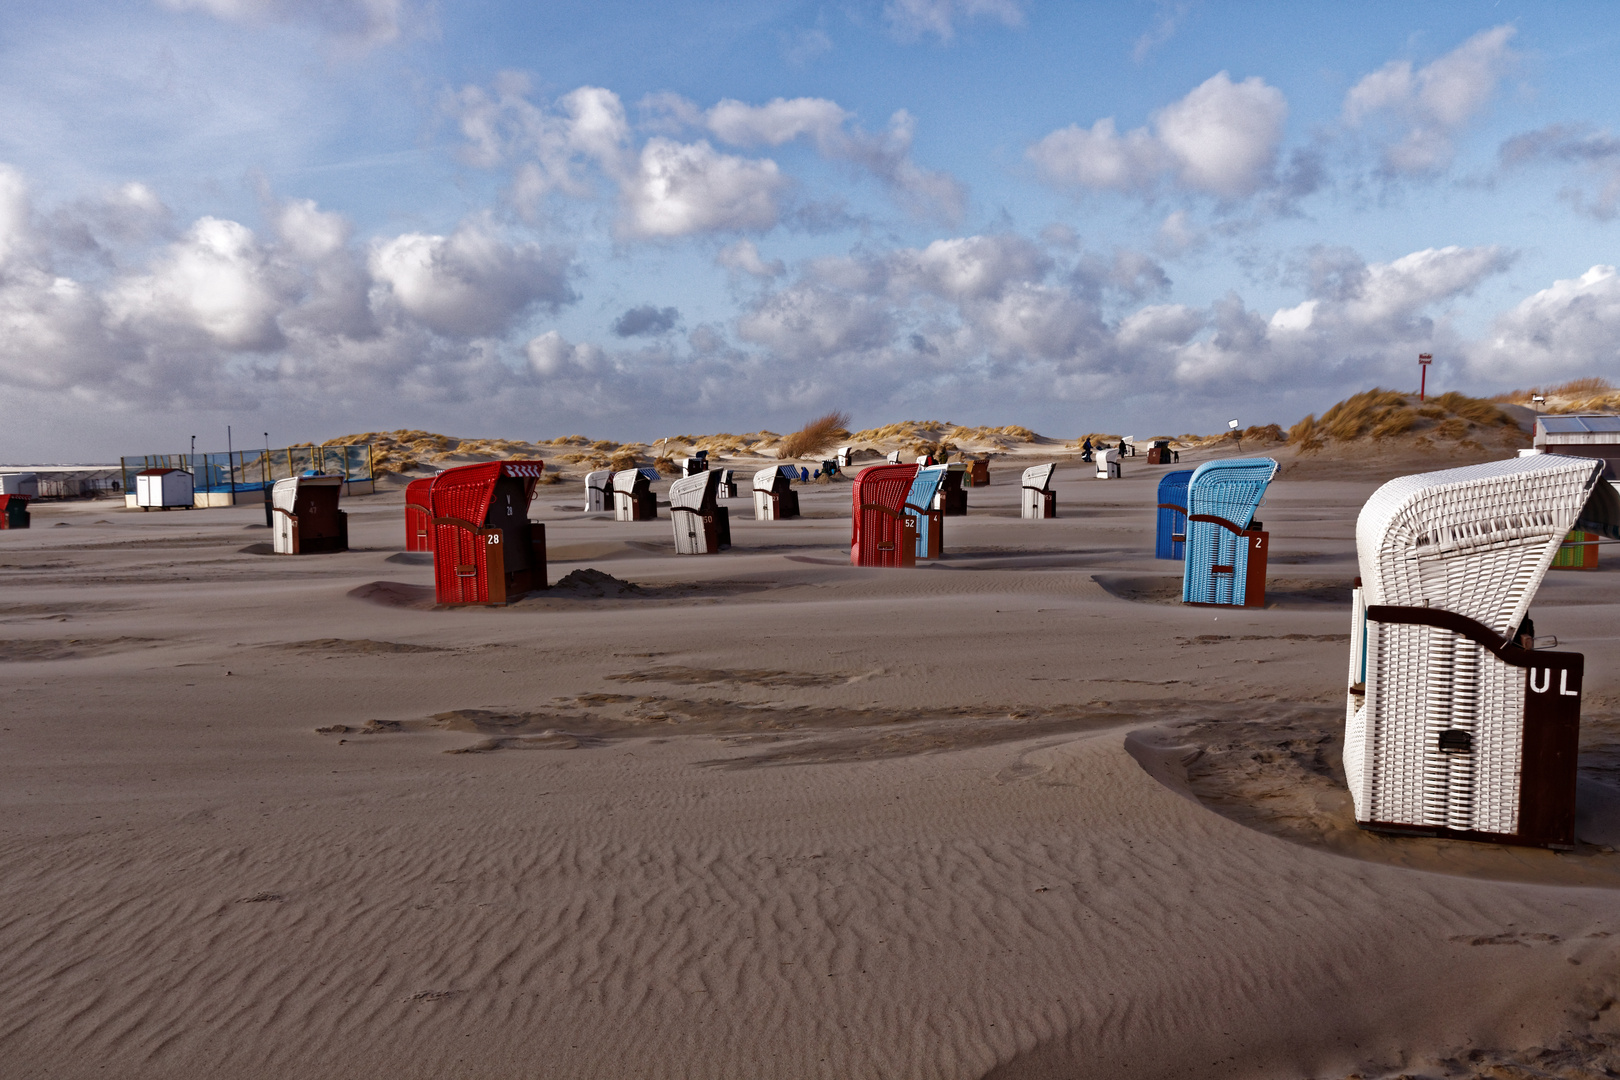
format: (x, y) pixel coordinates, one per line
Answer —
(1017, 814)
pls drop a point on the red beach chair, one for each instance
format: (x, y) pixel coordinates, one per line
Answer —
(485, 548)
(884, 534)
(419, 515)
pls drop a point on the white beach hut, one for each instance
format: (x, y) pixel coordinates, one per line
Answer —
(160, 489)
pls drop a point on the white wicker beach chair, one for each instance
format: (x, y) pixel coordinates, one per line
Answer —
(633, 498)
(774, 498)
(844, 455)
(701, 526)
(1108, 465)
(1040, 501)
(895, 458)
(1451, 727)
(307, 518)
(599, 491)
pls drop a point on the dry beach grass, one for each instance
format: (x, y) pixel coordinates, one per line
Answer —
(1015, 814)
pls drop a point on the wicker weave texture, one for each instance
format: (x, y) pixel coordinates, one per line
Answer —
(1037, 481)
(1230, 490)
(598, 491)
(1476, 541)
(1172, 523)
(920, 499)
(690, 498)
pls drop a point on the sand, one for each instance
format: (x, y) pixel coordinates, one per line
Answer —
(760, 814)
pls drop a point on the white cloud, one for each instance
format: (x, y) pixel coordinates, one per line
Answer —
(585, 137)
(553, 149)
(978, 267)
(552, 355)
(1221, 138)
(1160, 325)
(1099, 157)
(778, 121)
(1224, 135)
(809, 322)
(744, 257)
(1568, 329)
(216, 280)
(368, 22)
(310, 232)
(830, 129)
(1424, 108)
(1166, 20)
(915, 18)
(15, 211)
(684, 188)
(1595, 153)
(1177, 233)
(471, 283)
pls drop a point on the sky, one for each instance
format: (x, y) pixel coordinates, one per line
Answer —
(310, 218)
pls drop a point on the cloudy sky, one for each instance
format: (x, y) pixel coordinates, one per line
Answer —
(630, 220)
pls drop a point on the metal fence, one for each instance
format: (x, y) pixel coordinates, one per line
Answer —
(255, 470)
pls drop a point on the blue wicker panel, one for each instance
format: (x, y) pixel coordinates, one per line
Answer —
(1172, 489)
(1230, 489)
(920, 498)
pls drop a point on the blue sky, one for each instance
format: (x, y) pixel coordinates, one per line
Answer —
(634, 220)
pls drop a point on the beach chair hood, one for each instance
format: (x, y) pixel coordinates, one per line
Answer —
(1477, 540)
(1039, 477)
(695, 492)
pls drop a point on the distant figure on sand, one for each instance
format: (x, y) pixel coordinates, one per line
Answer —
(1085, 449)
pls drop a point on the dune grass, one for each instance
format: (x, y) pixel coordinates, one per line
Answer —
(1591, 394)
(816, 437)
(1380, 414)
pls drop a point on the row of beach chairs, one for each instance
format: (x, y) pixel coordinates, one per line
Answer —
(1455, 724)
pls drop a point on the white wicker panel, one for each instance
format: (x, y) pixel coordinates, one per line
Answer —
(1039, 476)
(764, 506)
(1397, 677)
(765, 479)
(1355, 754)
(598, 488)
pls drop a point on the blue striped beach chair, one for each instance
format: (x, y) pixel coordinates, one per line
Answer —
(1170, 541)
(1222, 497)
(920, 505)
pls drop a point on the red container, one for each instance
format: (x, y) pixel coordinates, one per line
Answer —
(884, 534)
(485, 548)
(419, 514)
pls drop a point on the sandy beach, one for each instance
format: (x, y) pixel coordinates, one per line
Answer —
(1017, 813)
